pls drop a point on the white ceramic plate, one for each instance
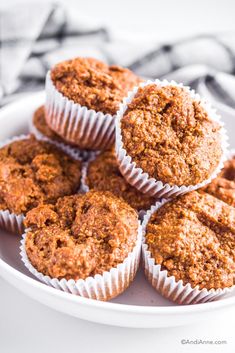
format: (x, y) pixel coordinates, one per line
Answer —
(139, 306)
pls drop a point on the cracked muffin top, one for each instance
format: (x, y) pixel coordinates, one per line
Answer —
(34, 172)
(193, 238)
(223, 187)
(103, 174)
(40, 123)
(81, 235)
(93, 84)
(170, 136)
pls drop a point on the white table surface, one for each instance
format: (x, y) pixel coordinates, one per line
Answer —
(29, 327)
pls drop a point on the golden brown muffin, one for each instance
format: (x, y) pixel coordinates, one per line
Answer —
(103, 174)
(170, 136)
(81, 235)
(93, 84)
(193, 238)
(223, 187)
(34, 172)
(228, 172)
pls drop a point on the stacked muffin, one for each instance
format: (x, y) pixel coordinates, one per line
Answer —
(34, 172)
(106, 148)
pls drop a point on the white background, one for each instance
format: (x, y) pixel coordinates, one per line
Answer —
(29, 327)
(159, 19)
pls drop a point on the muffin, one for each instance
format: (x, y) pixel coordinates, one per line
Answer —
(168, 138)
(228, 172)
(83, 236)
(83, 96)
(103, 174)
(34, 172)
(191, 243)
(223, 187)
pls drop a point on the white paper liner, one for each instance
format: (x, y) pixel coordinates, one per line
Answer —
(40, 136)
(85, 188)
(101, 287)
(78, 124)
(141, 180)
(168, 286)
(14, 222)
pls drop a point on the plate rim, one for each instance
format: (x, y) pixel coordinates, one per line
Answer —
(138, 309)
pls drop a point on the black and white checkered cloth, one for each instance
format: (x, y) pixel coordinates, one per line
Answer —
(37, 36)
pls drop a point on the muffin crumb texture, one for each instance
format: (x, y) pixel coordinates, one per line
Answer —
(170, 136)
(193, 238)
(93, 84)
(223, 187)
(103, 174)
(81, 235)
(33, 172)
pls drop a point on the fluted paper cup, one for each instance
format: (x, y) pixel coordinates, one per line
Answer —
(141, 180)
(77, 124)
(11, 222)
(63, 145)
(14, 222)
(167, 285)
(101, 287)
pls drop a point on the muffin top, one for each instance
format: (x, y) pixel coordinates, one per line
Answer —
(93, 84)
(228, 172)
(193, 238)
(103, 174)
(40, 123)
(223, 187)
(170, 136)
(81, 235)
(34, 172)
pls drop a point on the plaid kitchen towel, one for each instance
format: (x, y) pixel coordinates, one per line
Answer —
(36, 36)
